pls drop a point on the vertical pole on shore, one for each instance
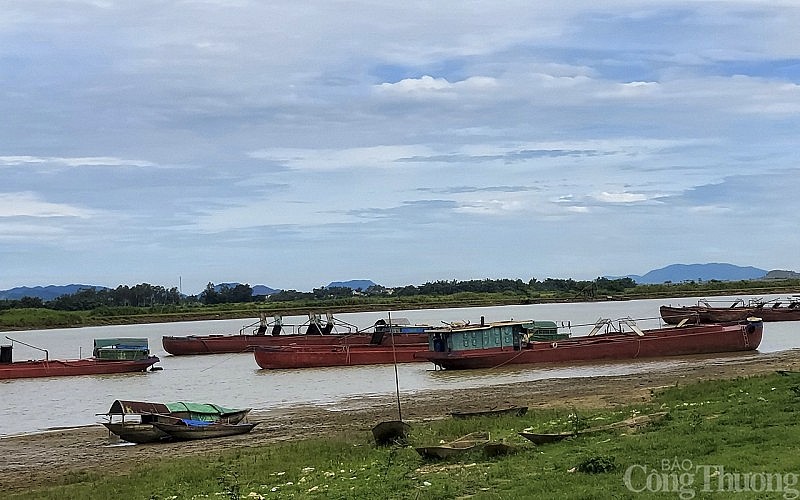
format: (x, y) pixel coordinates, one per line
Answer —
(396, 376)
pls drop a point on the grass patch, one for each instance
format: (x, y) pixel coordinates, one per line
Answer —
(716, 433)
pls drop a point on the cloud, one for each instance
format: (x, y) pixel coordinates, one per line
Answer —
(427, 87)
(30, 205)
(476, 189)
(330, 159)
(214, 129)
(72, 162)
(620, 197)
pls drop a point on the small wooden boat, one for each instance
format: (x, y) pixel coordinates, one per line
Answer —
(117, 355)
(473, 441)
(139, 427)
(516, 411)
(134, 421)
(631, 423)
(546, 438)
(391, 432)
(186, 429)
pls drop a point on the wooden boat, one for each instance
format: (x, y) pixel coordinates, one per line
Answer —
(499, 344)
(139, 427)
(117, 355)
(631, 423)
(341, 355)
(546, 438)
(473, 441)
(707, 311)
(391, 432)
(314, 332)
(516, 411)
(186, 429)
(141, 417)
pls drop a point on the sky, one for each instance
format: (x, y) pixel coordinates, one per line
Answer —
(292, 144)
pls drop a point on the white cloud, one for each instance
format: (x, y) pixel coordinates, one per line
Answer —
(491, 207)
(606, 197)
(430, 87)
(344, 158)
(30, 205)
(73, 162)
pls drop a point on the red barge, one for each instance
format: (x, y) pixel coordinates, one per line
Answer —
(312, 333)
(121, 355)
(364, 354)
(497, 344)
(714, 312)
(342, 355)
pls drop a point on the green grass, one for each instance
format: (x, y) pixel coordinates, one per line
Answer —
(22, 319)
(745, 426)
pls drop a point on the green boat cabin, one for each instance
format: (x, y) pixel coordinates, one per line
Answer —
(506, 334)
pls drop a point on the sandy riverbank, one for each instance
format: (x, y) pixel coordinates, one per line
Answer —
(34, 460)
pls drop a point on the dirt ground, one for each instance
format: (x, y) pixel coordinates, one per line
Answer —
(38, 459)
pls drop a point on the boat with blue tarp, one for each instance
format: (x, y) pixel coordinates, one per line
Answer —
(134, 421)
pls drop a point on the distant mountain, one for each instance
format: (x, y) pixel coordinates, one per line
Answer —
(779, 274)
(352, 284)
(45, 293)
(257, 289)
(263, 290)
(677, 273)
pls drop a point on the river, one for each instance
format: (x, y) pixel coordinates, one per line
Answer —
(234, 380)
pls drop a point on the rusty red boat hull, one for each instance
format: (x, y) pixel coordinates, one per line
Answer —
(284, 357)
(63, 368)
(704, 314)
(686, 340)
(221, 344)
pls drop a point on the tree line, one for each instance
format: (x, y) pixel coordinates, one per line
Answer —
(153, 296)
(147, 295)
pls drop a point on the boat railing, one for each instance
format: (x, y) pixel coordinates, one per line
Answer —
(46, 353)
(792, 302)
(314, 325)
(723, 303)
(620, 325)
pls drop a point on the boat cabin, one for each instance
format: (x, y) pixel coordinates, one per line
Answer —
(398, 326)
(505, 334)
(130, 349)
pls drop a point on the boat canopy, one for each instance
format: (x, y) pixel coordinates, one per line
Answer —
(200, 408)
(122, 343)
(120, 407)
(121, 348)
(500, 334)
(196, 410)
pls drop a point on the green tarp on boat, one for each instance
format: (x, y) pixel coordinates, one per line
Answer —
(201, 411)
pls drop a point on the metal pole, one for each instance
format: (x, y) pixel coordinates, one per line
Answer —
(396, 376)
(46, 354)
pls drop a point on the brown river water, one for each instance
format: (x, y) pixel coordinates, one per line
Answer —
(235, 380)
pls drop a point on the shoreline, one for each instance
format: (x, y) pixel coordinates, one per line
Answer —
(82, 321)
(42, 458)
